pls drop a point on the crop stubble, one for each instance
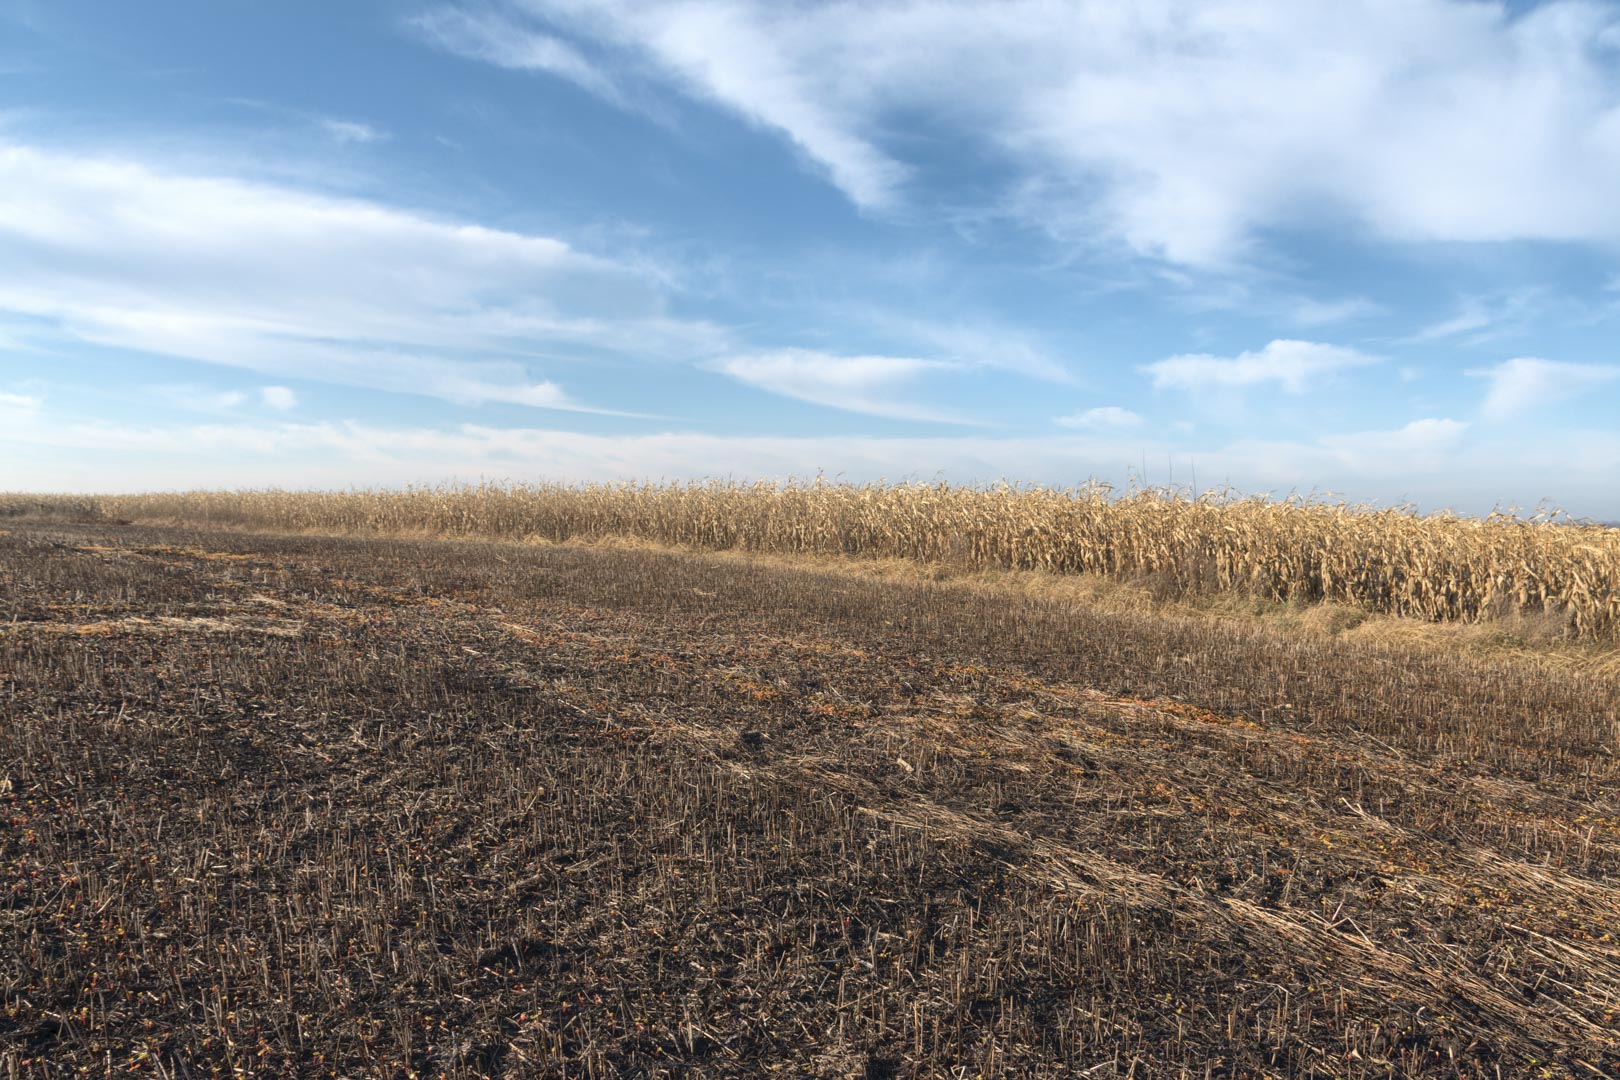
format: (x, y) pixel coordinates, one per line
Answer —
(365, 807)
(1392, 560)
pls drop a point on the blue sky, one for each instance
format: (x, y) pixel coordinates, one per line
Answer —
(1369, 247)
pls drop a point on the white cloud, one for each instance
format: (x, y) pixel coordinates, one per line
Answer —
(198, 398)
(863, 384)
(11, 342)
(1182, 128)
(996, 346)
(1308, 312)
(1103, 418)
(351, 131)
(1481, 318)
(278, 397)
(336, 128)
(1420, 440)
(293, 284)
(488, 36)
(1293, 365)
(746, 61)
(1527, 383)
(545, 395)
(27, 403)
(1471, 316)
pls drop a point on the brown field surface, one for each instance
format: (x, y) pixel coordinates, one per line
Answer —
(1559, 576)
(300, 806)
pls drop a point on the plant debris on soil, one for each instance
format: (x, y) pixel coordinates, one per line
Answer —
(277, 806)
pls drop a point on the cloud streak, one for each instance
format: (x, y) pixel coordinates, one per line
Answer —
(300, 285)
(1103, 418)
(491, 37)
(1292, 365)
(1525, 384)
(1182, 129)
(279, 398)
(862, 384)
(352, 131)
(25, 403)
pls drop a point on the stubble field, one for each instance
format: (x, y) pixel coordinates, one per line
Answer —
(301, 806)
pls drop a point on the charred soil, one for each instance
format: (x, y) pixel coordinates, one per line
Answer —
(300, 806)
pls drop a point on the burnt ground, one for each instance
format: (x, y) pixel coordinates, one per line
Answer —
(294, 806)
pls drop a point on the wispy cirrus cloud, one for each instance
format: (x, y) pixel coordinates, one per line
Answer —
(352, 131)
(487, 34)
(1481, 318)
(1311, 312)
(873, 385)
(1103, 418)
(280, 398)
(1423, 440)
(1525, 384)
(726, 55)
(1183, 129)
(296, 284)
(199, 399)
(991, 346)
(1292, 365)
(337, 128)
(23, 403)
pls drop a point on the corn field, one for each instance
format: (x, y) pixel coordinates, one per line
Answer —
(1391, 560)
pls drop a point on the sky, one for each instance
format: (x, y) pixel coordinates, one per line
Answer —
(1366, 249)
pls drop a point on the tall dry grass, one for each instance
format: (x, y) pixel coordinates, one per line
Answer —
(1393, 560)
